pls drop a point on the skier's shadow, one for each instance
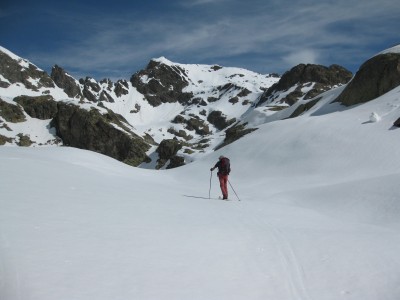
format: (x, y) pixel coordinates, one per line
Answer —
(197, 197)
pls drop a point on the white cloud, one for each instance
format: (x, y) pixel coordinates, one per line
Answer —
(305, 56)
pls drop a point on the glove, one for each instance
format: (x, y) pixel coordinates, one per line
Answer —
(212, 169)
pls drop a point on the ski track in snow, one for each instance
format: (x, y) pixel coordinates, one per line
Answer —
(248, 219)
(294, 271)
(8, 273)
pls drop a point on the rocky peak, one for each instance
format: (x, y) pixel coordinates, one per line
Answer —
(121, 88)
(375, 77)
(18, 70)
(302, 73)
(107, 82)
(162, 83)
(91, 83)
(316, 78)
(65, 82)
(91, 89)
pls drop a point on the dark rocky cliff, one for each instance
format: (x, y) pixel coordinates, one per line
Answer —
(375, 77)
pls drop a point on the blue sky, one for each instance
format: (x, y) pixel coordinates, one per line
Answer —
(115, 39)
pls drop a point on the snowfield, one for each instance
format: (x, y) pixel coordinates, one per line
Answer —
(319, 217)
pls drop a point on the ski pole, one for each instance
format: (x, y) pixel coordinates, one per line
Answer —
(209, 191)
(233, 190)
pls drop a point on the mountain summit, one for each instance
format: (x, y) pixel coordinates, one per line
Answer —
(167, 114)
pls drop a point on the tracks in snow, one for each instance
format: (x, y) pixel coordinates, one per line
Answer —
(285, 250)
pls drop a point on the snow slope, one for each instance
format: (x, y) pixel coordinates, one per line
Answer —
(318, 217)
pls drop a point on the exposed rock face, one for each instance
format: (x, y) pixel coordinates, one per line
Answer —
(234, 133)
(41, 107)
(109, 84)
(11, 113)
(90, 83)
(23, 72)
(164, 84)
(315, 73)
(4, 140)
(304, 107)
(397, 123)
(175, 162)
(65, 82)
(180, 133)
(79, 128)
(219, 120)
(194, 123)
(121, 88)
(167, 150)
(322, 78)
(24, 140)
(90, 89)
(93, 131)
(375, 77)
(104, 96)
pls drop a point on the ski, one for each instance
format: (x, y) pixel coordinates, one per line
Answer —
(207, 198)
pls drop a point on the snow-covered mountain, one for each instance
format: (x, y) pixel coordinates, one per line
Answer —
(319, 216)
(166, 115)
(187, 106)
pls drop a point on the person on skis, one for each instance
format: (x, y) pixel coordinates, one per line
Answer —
(224, 168)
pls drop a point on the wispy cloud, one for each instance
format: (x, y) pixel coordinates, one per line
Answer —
(280, 33)
(306, 56)
(188, 3)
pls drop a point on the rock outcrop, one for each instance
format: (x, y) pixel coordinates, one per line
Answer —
(375, 77)
(161, 83)
(65, 82)
(11, 113)
(94, 131)
(121, 88)
(40, 107)
(219, 120)
(234, 133)
(22, 71)
(167, 151)
(316, 79)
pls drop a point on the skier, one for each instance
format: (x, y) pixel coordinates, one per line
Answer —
(224, 168)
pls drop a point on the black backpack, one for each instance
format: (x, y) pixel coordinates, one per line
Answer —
(225, 166)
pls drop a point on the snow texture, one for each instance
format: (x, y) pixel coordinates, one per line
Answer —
(319, 217)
